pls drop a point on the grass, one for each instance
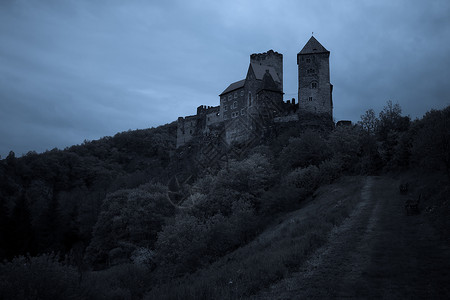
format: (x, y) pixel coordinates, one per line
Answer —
(271, 256)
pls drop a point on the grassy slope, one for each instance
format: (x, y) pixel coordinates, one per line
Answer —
(275, 253)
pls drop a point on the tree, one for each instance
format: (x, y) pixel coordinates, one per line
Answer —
(345, 143)
(21, 230)
(308, 149)
(431, 144)
(369, 121)
(391, 119)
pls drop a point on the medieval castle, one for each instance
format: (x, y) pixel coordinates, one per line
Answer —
(249, 105)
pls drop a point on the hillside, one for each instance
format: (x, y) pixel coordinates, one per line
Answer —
(351, 239)
(131, 217)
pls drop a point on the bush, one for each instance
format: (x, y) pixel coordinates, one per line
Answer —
(41, 277)
(304, 178)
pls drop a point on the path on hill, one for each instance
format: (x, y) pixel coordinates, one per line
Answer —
(378, 252)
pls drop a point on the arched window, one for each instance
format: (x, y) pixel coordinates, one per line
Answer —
(314, 85)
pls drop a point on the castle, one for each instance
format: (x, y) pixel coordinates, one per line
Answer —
(247, 106)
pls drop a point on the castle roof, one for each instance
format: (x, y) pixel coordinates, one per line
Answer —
(260, 70)
(269, 84)
(234, 86)
(313, 46)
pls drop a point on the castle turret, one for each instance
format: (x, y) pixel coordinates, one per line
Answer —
(270, 59)
(314, 87)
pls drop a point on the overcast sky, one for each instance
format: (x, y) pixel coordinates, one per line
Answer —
(73, 70)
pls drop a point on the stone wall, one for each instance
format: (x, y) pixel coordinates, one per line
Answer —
(314, 83)
(186, 129)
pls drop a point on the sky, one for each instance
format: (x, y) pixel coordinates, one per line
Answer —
(75, 70)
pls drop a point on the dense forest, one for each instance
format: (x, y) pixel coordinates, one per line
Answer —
(124, 217)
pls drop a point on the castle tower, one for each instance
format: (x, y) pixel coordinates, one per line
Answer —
(270, 59)
(314, 87)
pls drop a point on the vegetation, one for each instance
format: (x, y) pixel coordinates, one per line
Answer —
(131, 217)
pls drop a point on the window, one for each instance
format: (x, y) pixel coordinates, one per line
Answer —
(242, 93)
(308, 60)
(242, 111)
(311, 71)
(234, 104)
(230, 97)
(225, 107)
(314, 85)
(235, 95)
(310, 99)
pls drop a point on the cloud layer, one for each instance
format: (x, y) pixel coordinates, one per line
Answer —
(74, 70)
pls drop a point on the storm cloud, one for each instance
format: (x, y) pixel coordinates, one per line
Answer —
(76, 70)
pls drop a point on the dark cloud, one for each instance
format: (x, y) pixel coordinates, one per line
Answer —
(75, 70)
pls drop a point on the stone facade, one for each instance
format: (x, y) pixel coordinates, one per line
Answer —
(248, 106)
(314, 87)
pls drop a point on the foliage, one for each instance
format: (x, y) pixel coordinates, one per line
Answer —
(40, 277)
(130, 219)
(431, 143)
(369, 121)
(308, 149)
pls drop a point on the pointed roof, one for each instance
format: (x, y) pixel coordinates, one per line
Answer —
(313, 46)
(260, 70)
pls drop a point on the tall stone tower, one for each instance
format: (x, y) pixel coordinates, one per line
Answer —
(270, 59)
(314, 87)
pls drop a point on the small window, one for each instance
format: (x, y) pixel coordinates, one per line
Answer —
(230, 97)
(225, 108)
(235, 95)
(190, 131)
(235, 105)
(308, 60)
(242, 111)
(311, 71)
(310, 99)
(314, 85)
(242, 93)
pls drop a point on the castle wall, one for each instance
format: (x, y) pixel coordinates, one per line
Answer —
(232, 103)
(314, 83)
(186, 129)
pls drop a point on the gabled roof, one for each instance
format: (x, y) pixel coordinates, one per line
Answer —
(269, 84)
(313, 46)
(260, 70)
(234, 86)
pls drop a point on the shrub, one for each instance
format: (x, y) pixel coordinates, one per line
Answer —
(304, 178)
(41, 277)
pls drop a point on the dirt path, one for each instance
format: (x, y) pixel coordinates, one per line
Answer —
(378, 252)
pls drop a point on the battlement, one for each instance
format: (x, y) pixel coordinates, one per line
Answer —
(265, 55)
(204, 109)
